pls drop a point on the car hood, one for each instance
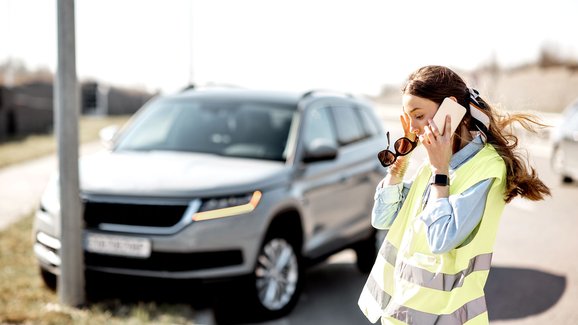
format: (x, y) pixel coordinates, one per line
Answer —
(159, 173)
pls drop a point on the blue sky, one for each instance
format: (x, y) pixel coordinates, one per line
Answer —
(352, 45)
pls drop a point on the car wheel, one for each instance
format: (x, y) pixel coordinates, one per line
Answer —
(270, 291)
(49, 279)
(277, 279)
(366, 251)
(567, 180)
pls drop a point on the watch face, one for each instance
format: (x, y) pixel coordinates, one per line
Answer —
(440, 179)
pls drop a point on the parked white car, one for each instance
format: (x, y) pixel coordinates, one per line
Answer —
(565, 145)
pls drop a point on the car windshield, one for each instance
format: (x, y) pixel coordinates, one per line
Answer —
(236, 128)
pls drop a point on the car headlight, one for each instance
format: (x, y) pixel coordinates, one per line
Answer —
(227, 206)
(50, 200)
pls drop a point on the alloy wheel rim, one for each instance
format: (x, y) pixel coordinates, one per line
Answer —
(276, 274)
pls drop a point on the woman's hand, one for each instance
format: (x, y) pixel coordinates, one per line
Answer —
(398, 168)
(405, 124)
(438, 147)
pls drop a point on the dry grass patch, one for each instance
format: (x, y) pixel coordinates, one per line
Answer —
(23, 297)
(25, 300)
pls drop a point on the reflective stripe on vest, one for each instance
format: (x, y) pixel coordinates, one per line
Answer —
(439, 281)
(388, 252)
(380, 296)
(463, 314)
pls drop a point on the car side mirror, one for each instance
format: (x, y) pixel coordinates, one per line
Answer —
(320, 150)
(107, 135)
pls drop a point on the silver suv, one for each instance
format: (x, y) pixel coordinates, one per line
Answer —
(228, 183)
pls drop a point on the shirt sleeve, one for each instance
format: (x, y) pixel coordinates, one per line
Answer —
(388, 200)
(451, 220)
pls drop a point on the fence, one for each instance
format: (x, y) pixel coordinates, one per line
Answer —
(28, 109)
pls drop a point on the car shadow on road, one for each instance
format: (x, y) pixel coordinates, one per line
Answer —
(516, 293)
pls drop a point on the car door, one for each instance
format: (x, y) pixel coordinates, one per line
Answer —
(335, 191)
(357, 170)
(320, 181)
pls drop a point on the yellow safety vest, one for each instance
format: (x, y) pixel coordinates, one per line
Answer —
(409, 284)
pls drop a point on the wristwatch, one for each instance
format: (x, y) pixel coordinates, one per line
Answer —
(441, 180)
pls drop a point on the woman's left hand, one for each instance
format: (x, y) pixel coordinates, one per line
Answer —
(438, 147)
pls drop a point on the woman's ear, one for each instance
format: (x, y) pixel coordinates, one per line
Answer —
(453, 98)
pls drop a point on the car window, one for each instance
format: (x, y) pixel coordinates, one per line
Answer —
(155, 134)
(369, 123)
(238, 128)
(348, 125)
(318, 125)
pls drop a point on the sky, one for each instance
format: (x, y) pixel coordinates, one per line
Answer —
(347, 45)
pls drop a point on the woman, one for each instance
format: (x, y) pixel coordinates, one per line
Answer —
(434, 262)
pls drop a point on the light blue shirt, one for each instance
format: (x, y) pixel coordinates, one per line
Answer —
(449, 221)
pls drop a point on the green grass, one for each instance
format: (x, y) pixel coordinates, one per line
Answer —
(18, 150)
(25, 300)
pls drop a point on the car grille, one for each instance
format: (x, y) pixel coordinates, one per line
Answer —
(148, 215)
(171, 262)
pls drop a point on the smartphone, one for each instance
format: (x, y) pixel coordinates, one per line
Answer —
(451, 108)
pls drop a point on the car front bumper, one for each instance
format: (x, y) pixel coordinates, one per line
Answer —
(218, 248)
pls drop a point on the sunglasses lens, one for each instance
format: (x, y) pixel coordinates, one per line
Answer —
(403, 146)
(386, 157)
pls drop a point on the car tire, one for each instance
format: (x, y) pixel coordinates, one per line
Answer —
(49, 279)
(366, 252)
(277, 280)
(244, 299)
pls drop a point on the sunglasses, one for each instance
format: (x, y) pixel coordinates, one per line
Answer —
(402, 146)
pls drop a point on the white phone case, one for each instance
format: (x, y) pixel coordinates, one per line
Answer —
(451, 108)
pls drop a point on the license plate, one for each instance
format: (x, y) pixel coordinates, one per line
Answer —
(118, 245)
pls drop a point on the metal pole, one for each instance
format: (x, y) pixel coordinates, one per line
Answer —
(9, 71)
(191, 79)
(67, 104)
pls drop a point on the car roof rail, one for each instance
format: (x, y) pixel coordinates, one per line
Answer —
(324, 91)
(189, 87)
(209, 85)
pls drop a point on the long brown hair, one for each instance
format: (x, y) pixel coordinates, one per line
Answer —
(436, 83)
